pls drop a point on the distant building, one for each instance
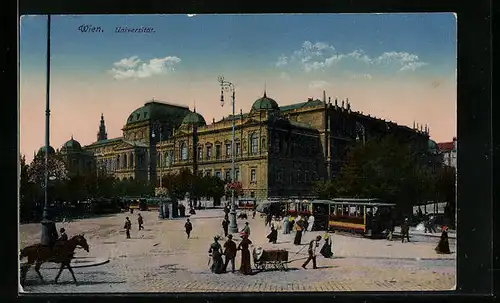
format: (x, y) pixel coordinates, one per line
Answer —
(448, 152)
(279, 150)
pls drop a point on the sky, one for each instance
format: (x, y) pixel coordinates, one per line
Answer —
(399, 67)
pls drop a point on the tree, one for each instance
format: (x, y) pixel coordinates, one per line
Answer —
(324, 189)
(56, 167)
(27, 193)
(445, 190)
(385, 169)
(179, 184)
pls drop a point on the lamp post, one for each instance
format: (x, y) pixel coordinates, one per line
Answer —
(157, 127)
(229, 87)
(49, 231)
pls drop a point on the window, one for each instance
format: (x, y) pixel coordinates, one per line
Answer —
(208, 173)
(228, 150)
(218, 174)
(184, 151)
(254, 144)
(228, 175)
(237, 175)
(238, 149)
(209, 152)
(217, 152)
(253, 175)
(166, 158)
(200, 153)
(124, 161)
(131, 160)
(252, 194)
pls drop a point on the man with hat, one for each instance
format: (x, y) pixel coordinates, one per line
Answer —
(313, 245)
(405, 231)
(63, 236)
(229, 252)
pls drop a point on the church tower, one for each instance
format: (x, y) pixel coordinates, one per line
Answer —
(102, 135)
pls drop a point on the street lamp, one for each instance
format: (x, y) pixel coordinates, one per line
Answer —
(157, 127)
(229, 87)
(49, 231)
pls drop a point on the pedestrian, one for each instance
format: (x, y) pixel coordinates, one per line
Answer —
(244, 245)
(189, 227)
(246, 230)
(310, 223)
(313, 245)
(230, 253)
(268, 219)
(405, 231)
(443, 246)
(253, 213)
(286, 225)
(215, 252)
(127, 226)
(298, 232)
(140, 221)
(273, 235)
(326, 250)
(225, 225)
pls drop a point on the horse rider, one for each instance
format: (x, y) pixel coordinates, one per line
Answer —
(63, 236)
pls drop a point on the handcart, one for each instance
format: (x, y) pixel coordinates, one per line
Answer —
(276, 258)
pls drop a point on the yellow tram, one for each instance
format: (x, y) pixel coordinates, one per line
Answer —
(365, 216)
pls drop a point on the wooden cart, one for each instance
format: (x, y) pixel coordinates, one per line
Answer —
(276, 258)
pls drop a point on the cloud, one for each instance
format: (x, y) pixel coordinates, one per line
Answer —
(191, 15)
(361, 76)
(133, 67)
(320, 56)
(285, 76)
(318, 84)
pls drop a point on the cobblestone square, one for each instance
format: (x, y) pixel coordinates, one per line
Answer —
(160, 258)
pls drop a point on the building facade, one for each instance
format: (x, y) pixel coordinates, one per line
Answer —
(448, 152)
(279, 150)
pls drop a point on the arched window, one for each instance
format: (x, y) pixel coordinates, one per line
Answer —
(184, 152)
(131, 160)
(118, 162)
(254, 144)
(165, 158)
(125, 161)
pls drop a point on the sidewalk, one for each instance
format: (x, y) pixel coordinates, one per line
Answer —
(415, 232)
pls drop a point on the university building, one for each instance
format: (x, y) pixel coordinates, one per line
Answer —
(279, 150)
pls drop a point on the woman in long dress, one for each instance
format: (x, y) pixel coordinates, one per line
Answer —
(310, 222)
(298, 232)
(326, 250)
(245, 267)
(286, 224)
(216, 252)
(443, 246)
(273, 236)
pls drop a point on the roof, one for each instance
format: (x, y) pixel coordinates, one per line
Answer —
(375, 202)
(446, 146)
(194, 118)
(265, 103)
(42, 150)
(154, 110)
(309, 103)
(71, 144)
(104, 142)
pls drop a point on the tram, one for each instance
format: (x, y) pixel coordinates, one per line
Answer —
(246, 203)
(369, 217)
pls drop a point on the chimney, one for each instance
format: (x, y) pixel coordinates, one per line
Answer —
(324, 97)
(329, 100)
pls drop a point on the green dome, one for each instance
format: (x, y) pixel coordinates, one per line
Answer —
(154, 110)
(41, 151)
(265, 103)
(72, 144)
(194, 118)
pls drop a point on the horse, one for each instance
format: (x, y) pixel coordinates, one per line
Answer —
(62, 253)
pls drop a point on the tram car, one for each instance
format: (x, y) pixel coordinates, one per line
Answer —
(246, 204)
(368, 217)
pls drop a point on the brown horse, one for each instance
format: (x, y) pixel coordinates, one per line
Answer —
(62, 252)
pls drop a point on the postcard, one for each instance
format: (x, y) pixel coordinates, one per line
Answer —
(237, 153)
